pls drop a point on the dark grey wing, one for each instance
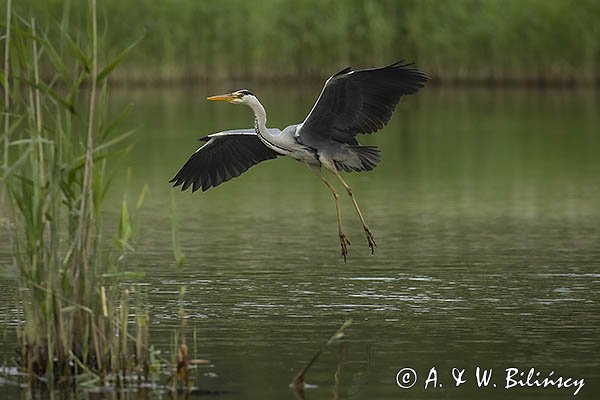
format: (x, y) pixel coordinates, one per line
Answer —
(224, 156)
(362, 101)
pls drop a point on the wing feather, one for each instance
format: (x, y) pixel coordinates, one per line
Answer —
(224, 156)
(361, 101)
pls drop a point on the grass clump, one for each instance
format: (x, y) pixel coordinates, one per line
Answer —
(57, 143)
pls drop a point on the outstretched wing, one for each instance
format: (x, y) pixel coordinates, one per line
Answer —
(225, 155)
(362, 101)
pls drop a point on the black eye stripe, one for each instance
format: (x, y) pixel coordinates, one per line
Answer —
(246, 92)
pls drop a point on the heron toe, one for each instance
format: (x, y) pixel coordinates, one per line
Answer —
(344, 243)
(370, 239)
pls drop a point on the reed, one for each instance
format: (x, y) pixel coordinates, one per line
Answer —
(6, 84)
(57, 140)
(496, 41)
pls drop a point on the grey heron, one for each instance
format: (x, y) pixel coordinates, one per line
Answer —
(351, 102)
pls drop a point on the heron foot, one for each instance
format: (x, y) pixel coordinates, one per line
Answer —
(370, 239)
(344, 243)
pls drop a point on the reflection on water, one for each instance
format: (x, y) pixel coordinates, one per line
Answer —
(486, 213)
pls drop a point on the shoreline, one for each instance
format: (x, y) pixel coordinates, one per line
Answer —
(534, 82)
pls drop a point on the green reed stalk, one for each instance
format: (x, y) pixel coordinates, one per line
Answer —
(85, 223)
(6, 91)
(141, 342)
(176, 244)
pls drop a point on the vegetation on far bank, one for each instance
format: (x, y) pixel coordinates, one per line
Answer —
(461, 40)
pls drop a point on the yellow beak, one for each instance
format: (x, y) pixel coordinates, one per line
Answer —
(222, 97)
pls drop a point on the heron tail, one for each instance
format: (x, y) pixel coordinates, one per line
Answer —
(367, 158)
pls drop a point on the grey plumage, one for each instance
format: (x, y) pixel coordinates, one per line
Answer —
(351, 103)
(365, 159)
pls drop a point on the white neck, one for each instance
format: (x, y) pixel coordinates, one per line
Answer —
(260, 115)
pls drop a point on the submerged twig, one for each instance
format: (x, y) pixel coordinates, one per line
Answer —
(297, 383)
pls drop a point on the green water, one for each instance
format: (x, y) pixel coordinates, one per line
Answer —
(486, 213)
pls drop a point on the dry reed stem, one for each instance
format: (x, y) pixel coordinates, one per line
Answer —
(97, 345)
(124, 354)
(104, 305)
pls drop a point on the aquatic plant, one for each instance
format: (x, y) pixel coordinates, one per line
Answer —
(58, 138)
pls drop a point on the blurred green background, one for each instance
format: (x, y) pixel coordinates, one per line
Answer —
(533, 41)
(485, 204)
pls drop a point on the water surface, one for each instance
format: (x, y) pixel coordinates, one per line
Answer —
(485, 209)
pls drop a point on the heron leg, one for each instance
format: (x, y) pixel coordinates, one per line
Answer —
(344, 242)
(368, 233)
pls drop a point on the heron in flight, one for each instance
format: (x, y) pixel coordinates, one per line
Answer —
(352, 102)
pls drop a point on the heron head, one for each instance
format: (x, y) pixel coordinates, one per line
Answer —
(241, 96)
